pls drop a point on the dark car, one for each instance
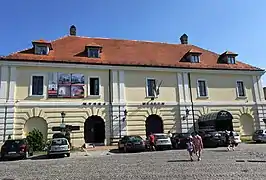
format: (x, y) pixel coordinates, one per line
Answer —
(179, 140)
(211, 139)
(131, 143)
(17, 148)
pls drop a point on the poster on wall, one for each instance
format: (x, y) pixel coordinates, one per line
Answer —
(52, 84)
(77, 91)
(63, 85)
(64, 78)
(77, 79)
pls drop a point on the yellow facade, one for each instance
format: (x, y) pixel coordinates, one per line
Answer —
(129, 92)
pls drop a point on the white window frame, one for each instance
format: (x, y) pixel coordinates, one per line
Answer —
(231, 59)
(147, 88)
(206, 87)
(89, 86)
(31, 85)
(244, 90)
(191, 58)
(38, 46)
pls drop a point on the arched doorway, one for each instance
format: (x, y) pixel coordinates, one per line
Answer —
(94, 130)
(154, 124)
(246, 124)
(36, 123)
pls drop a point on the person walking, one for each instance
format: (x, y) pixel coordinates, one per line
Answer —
(232, 141)
(190, 147)
(152, 141)
(197, 141)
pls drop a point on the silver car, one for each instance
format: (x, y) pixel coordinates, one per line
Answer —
(58, 146)
(162, 141)
(259, 136)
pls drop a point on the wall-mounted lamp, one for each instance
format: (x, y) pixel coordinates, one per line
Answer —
(187, 112)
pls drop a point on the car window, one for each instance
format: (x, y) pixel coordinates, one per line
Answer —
(59, 142)
(161, 136)
(134, 138)
(259, 132)
(13, 142)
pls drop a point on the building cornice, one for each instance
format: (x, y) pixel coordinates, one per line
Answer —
(123, 67)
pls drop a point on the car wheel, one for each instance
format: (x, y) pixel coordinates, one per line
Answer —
(68, 154)
(236, 144)
(258, 141)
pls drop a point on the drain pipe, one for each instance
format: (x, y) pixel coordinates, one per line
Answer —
(110, 104)
(191, 100)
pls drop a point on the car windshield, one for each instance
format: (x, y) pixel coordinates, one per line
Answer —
(134, 138)
(259, 132)
(59, 142)
(161, 136)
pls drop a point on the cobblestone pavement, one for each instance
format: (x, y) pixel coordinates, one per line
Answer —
(163, 165)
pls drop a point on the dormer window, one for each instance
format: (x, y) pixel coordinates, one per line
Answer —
(41, 47)
(194, 58)
(94, 50)
(227, 58)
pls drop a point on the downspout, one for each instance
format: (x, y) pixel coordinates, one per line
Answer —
(191, 100)
(110, 105)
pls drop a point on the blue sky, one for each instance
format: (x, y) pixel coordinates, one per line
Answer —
(235, 25)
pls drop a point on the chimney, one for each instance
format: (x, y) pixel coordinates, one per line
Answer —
(184, 39)
(73, 31)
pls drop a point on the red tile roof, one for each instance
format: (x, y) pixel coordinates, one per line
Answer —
(71, 49)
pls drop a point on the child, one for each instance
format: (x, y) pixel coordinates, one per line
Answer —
(190, 147)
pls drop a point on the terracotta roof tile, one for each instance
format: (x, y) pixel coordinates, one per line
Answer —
(70, 49)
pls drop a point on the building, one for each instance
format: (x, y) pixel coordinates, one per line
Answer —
(112, 87)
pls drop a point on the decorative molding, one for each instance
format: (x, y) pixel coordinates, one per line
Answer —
(4, 83)
(137, 68)
(186, 88)
(12, 84)
(180, 87)
(121, 90)
(115, 86)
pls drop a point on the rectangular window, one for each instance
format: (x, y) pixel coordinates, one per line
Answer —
(41, 50)
(240, 89)
(37, 85)
(94, 53)
(194, 58)
(231, 60)
(202, 88)
(95, 86)
(151, 87)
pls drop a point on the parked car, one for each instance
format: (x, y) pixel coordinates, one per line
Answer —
(162, 141)
(259, 136)
(211, 139)
(179, 140)
(16, 148)
(223, 137)
(58, 146)
(131, 143)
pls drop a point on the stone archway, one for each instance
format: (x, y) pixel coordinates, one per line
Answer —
(94, 130)
(246, 124)
(36, 123)
(154, 124)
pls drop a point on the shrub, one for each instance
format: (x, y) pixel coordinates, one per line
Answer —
(35, 139)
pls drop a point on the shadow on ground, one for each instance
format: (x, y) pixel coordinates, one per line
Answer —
(44, 156)
(116, 151)
(180, 160)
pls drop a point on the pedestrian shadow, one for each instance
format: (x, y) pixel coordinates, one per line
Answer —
(180, 160)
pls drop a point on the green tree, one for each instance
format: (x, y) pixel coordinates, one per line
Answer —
(36, 140)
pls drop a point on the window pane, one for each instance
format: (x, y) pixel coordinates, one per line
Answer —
(240, 88)
(37, 85)
(202, 88)
(194, 59)
(94, 86)
(94, 53)
(151, 86)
